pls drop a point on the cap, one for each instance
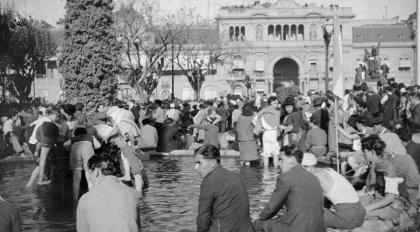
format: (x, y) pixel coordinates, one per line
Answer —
(309, 159)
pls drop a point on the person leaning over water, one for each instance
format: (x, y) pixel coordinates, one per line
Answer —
(223, 203)
(109, 205)
(347, 212)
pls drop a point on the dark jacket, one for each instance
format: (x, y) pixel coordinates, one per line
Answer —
(415, 115)
(301, 192)
(223, 204)
(323, 117)
(373, 102)
(9, 217)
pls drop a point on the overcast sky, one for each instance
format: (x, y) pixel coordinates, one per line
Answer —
(52, 10)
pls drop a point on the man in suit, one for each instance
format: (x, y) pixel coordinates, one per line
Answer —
(298, 190)
(223, 203)
(362, 109)
(415, 108)
(373, 102)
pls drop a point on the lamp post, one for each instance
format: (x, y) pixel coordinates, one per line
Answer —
(327, 32)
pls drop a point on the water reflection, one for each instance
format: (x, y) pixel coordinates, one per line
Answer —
(169, 204)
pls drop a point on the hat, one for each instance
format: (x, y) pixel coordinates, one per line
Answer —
(403, 90)
(309, 159)
(172, 105)
(317, 101)
(370, 90)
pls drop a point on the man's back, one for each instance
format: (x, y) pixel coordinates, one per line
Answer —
(373, 103)
(108, 206)
(301, 192)
(9, 217)
(224, 204)
(148, 136)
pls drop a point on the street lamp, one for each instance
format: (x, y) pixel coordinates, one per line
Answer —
(327, 31)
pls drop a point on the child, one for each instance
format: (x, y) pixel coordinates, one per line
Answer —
(83, 147)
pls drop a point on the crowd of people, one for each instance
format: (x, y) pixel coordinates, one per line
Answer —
(374, 132)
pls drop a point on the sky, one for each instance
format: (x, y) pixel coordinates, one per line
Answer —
(52, 10)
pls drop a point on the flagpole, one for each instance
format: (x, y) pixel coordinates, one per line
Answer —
(336, 132)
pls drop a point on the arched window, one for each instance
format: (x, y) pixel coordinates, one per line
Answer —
(286, 32)
(242, 33)
(301, 32)
(231, 33)
(270, 30)
(341, 31)
(236, 33)
(293, 32)
(278, 32)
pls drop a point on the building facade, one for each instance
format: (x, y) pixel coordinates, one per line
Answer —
(282, 44)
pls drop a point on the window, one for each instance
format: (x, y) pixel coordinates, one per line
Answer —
(270, 30)
(301, 32)
(313, 66)
(359, 36)
(242, 33)
(127, 93)
(401, 36)
(380, 36)
(231, 33)
(405, 63)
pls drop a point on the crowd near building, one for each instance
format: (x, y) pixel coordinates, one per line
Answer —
(345, 162)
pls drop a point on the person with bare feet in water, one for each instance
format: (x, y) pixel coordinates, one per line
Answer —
(45, 137)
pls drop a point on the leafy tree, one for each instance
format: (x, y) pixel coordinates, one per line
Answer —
(199, 48)
(26, 45)
(91, 53)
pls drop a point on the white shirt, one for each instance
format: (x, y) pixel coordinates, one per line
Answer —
(8, 126)
(159, 115)
(148, 136)
(235, 115)
(37, 123)
(173, 113)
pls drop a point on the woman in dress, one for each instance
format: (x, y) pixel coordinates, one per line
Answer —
(292, 118)
(247, 144)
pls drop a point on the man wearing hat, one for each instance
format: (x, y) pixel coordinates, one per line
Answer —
(373, 102)
(346, 212)
(321, 114)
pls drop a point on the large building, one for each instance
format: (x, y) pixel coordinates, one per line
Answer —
(282, 44)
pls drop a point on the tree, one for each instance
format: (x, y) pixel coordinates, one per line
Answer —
(199, 47)
(145, 38)
(27, 46)
(91, 53)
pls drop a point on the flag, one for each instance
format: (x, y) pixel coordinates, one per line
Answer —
(338, 79)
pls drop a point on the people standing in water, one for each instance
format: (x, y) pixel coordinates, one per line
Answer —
(247, 143)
